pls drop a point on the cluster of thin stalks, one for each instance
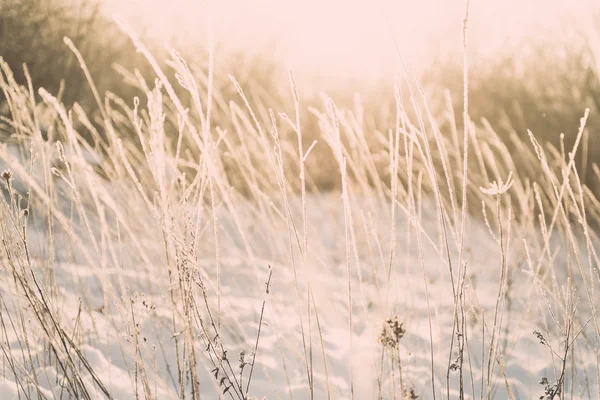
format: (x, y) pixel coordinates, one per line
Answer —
(165, 168)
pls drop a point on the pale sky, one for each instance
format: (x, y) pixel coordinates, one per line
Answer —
(338, 37)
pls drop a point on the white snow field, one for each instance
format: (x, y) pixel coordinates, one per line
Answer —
(131, 269)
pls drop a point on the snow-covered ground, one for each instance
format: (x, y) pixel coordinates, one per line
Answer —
(252, 239)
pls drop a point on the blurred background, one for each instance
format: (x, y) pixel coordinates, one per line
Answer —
(337, 38)
(533, 63)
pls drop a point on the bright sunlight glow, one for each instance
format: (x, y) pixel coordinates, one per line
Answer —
(347, 36)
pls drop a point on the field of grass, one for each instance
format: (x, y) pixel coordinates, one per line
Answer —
(219, 236)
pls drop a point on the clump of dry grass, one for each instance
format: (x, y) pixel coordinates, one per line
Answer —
(159, 178)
